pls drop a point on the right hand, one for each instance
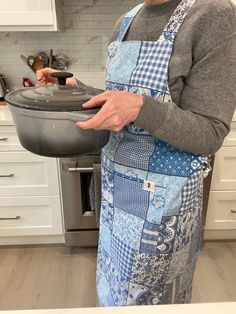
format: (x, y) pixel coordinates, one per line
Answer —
(43, 77)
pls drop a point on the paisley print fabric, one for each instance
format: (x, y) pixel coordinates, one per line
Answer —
(150, 222)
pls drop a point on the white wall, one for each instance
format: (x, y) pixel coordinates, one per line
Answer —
(88, 25)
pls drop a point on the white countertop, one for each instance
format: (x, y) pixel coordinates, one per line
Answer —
(209, 308)
(5, 116)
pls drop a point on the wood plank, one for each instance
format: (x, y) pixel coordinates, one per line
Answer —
(54, 276)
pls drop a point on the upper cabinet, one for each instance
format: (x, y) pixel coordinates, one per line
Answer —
(28, 15)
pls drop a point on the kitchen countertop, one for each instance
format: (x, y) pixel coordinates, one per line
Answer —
(209, 308)
(5, 115)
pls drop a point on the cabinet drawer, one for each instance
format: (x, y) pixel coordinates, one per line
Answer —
(224, 174)
(221, 212)
(23, 173)
(230, 140)
(8, 139)
(30, 216)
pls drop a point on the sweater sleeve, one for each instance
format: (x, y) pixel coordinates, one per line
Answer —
(198, 124)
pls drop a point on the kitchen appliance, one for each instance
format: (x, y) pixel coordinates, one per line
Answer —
(4, 89)
(45, 119)
(79, 218)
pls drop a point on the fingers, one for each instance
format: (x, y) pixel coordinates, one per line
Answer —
(43, 75)
(97, 101)
(92, 123)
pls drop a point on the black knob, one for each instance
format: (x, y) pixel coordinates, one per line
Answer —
(61, 77)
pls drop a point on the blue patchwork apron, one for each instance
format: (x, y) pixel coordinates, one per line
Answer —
(150, 223)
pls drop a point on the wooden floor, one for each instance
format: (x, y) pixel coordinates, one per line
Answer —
(60, 277)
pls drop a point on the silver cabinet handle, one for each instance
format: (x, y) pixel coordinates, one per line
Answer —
(11, 218)
(10, 175)
(82, 169)
(3, 139)
(233, 211)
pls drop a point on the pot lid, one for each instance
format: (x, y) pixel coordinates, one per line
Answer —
(50, 97)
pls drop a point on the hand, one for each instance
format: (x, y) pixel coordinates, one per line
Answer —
(119, 108)
(44, 78)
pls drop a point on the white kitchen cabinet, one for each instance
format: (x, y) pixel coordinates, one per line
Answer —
(25, 216)
(28, 15)
(224, 175)
(9, 140)
(30, 203)
(223, 215)
(23, 173)
(221, 212)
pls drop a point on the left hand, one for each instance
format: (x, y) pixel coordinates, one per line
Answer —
(119, 108)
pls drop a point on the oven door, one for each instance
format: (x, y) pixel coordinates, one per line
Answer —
(75, 183)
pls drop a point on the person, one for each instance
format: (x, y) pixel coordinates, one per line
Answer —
(169, 101)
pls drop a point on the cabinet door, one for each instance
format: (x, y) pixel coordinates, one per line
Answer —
(230, 140)
(224, 174)
(30, 216)
(23, 173)
(8, 139)
(221, 213)
(28, 15)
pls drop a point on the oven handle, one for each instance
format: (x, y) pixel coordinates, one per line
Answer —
(81, 169)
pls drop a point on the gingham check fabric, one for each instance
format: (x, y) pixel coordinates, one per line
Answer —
(189, 193)
(152, 69)
(123, 256)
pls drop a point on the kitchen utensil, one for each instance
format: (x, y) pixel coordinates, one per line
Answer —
(50, 58)
(25, 60)
(4, 89)
(45, 119)
(44, 57)
(30, 60)
(37, 64)
(61, 62)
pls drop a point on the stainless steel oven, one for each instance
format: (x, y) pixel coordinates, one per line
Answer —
(79, 217)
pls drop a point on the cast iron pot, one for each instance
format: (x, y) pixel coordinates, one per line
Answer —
(45, 119)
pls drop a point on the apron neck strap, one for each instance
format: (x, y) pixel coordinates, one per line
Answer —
(127, 20)
(170, 29)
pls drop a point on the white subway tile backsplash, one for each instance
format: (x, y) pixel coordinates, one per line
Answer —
(87, 28)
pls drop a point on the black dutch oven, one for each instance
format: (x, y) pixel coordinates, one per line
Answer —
(45, 119)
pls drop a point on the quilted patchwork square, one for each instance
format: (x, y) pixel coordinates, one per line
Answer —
(167, 235)
(149, 238)
(107, 213)
(130, 196)
(177, 264)
(152, 68)
(122, 256)
(170, 161)
(141, 295)
(187, 225)
(128, 228)
(190, 194)
(149, 270)
(122, 58)
(139, 149)
(170, 291)
(107, 184)
(118, 287)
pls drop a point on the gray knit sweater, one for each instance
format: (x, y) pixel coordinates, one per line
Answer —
(202, 75)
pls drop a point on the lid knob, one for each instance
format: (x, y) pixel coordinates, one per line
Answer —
(61, 77)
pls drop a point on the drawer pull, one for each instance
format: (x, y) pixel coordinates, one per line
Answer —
(10, 175)
(11, 218)
(233, 211)
(3, 139)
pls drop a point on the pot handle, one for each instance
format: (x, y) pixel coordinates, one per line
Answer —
(61, 77)
(78, 116)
